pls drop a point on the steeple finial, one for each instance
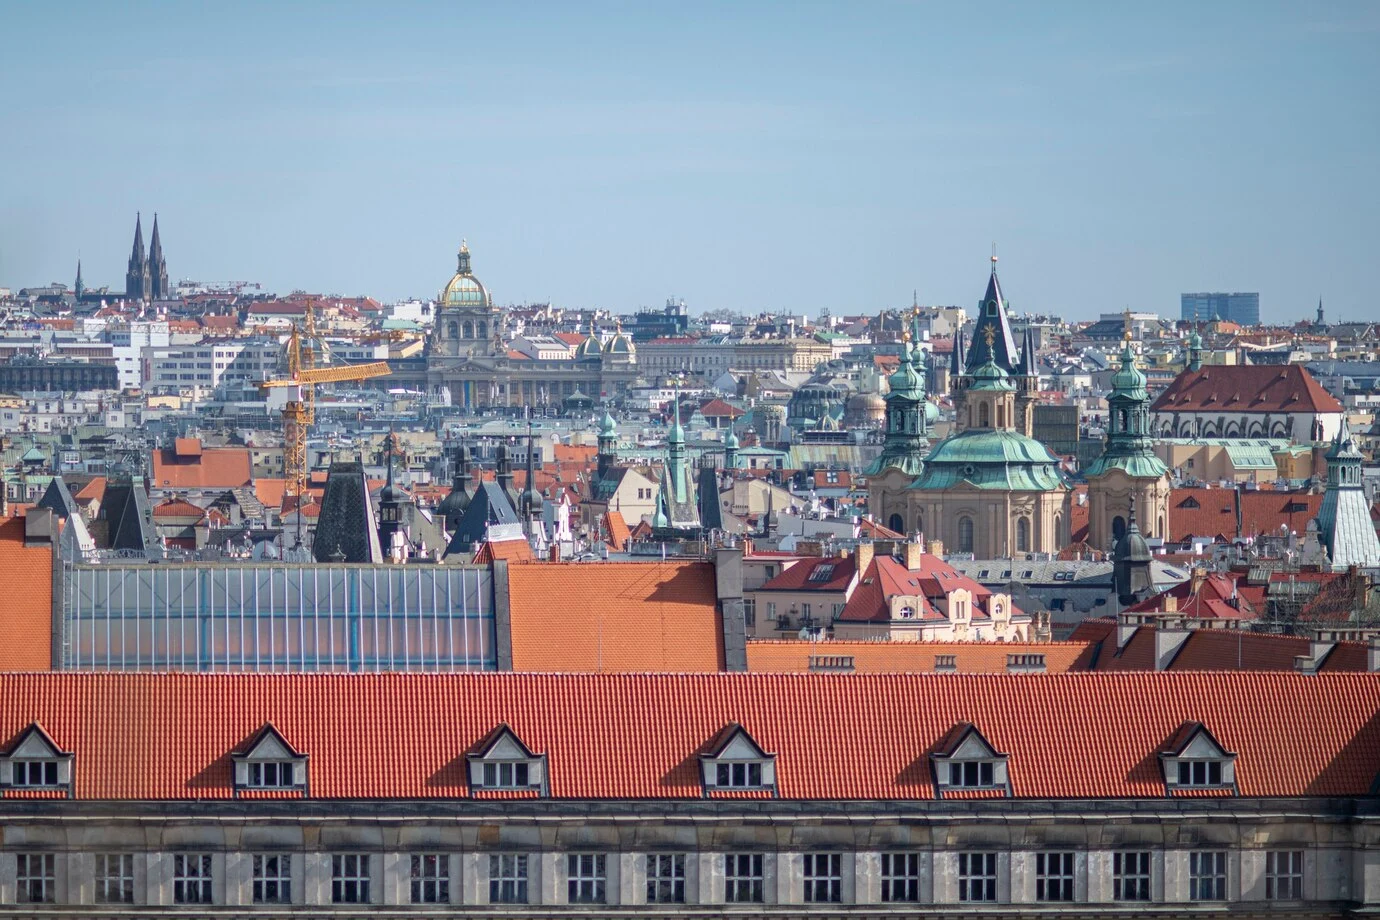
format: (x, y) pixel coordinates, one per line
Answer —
(990, 334)
(994, 257)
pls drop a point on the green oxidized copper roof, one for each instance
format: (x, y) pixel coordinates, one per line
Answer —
(991, 377)
(1129, 381)
(1136, 466)
(990, 459)
(905, 383)
(910, 463)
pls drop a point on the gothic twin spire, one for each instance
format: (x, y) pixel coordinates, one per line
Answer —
(146, 277)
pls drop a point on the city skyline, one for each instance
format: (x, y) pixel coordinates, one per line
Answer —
(751, 158)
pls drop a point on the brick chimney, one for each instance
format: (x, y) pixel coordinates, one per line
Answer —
(914, 551)
(866, 548)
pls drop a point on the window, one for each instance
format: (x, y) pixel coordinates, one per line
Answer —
(114, 878)
(977, 876)
(430, 878)
(900, 877)
(823, 877)
(1131, 876)
(34, 773)
(1200, 773)
(1207, 876)
(191, 878)
(666, 878)
(977, 774)
(505, 775)
(508, 879)
(350, 878)
(272, 878)
(586, 877)
(1054, 876)
(965, 535)
(822, 572)
(1023, 535)
(270, 774)
(750, 611)
(743, 878)
(739, 775)
(1284, 875)
(37, 879)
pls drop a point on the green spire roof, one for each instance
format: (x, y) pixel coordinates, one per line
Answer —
(1129, 381)
(991, 377)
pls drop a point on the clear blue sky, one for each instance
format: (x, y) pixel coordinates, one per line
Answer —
(742, 155)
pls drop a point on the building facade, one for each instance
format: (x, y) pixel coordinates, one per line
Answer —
(1205, 307)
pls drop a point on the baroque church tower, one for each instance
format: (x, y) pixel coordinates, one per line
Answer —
(1127, 474)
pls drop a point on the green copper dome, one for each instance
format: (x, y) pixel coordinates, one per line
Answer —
(1129, 381)
(989, 459)
(905, 383)
(991, 377)
(731, 442)
(608, 428)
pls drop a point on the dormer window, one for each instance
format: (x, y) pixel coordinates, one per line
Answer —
(1194, 759)
(270, 763)
(734, 761)
(965, 760)
(501, 762)
(34, 761)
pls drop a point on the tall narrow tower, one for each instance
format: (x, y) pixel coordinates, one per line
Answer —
(158, 268)
(80, 287)
(138, 284)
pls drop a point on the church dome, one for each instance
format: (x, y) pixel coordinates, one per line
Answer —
(990, 459)
(931, 413)
(1129, 380)
(464, 288)
(991, 377)
(590, 349)
(621, 344)
(905, 383)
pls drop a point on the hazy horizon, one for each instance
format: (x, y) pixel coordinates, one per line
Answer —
(796, 156)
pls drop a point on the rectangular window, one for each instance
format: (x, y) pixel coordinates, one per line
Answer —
(350, 878)
(823, 877)
(743, 878)
(114, 878)
(272, 878)
(743, 774)
(1131, 876)
(430, 878)
(750, 611)
(508, 878)
(1054, 876)
(900, 877)
(666, 878)
(37, 878)
(977, 876)
(1200, 773)
(191, 878)
(34, 773)
(1207, 876)
(586, 878)
(1284, 875)
(506, 775)
(270, 774)
(974, 773)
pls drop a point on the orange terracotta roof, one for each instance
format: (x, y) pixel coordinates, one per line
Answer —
(214, 468)
(911, 657)
(1246, 388)
(575, 453)
(1197, 512)
(26, 617)
(617, 530)
(1213, 650)
(95, 489)
(176, 507)
(187, 447)
(615, 616)
(504, 550)
(635, 736)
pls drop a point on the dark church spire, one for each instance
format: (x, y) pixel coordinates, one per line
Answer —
(80, 286)
(138, 285)
(157, 268)
(992, 312)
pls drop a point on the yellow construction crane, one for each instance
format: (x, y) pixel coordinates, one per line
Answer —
(299, 412)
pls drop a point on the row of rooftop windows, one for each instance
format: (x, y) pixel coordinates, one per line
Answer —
(963, 760)
(976, 876)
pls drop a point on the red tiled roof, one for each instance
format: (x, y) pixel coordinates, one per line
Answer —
(1246, 388)
(877, 531)
(186, 447)
(931, 582)
(215, 468)
(634, 736)
(95, 489)
(835, 575)
(617, 530)
(176, 507)
(1215, 598)
(518, 550)
(615, 616)
(1197, 512)
(1214, 650)
(26, 617)
(717, 407)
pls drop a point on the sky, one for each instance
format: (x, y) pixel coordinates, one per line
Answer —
(749, 156)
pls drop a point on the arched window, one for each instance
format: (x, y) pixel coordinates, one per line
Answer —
(919, 523)
(1023, 535)
(483, 329)
(1118, 527)
(1001, 416)
(965, 535)
(1058, 528)
(1125, 418)
(896, 523)
(1159, 530)
(469, 329)
(454, 330)
(984, 419)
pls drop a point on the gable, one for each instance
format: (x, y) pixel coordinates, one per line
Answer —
(741, 747)
(506, 748)
(34, 746)
(973, 747)
(1202, 745)
(271, 746)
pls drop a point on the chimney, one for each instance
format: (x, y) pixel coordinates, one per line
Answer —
(1170, 636)
(1319, 648)
(555, 553)
(1195, 580)
(1126, 627)
(864, 555)
(914, 550)
(936, 548)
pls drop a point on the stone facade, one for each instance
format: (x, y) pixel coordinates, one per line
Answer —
(847, 848)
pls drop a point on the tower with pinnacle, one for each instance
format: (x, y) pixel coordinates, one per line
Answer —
(138, 283)
(158, 266)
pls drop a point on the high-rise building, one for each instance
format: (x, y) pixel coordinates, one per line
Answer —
(1237, 307)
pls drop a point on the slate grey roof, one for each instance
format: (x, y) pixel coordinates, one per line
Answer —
(490, 505)
(346, 525)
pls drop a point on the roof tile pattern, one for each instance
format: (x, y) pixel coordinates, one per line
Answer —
(1246, 388)
(785, 656)
(145, 736)
(26, 617)
(615, 616)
